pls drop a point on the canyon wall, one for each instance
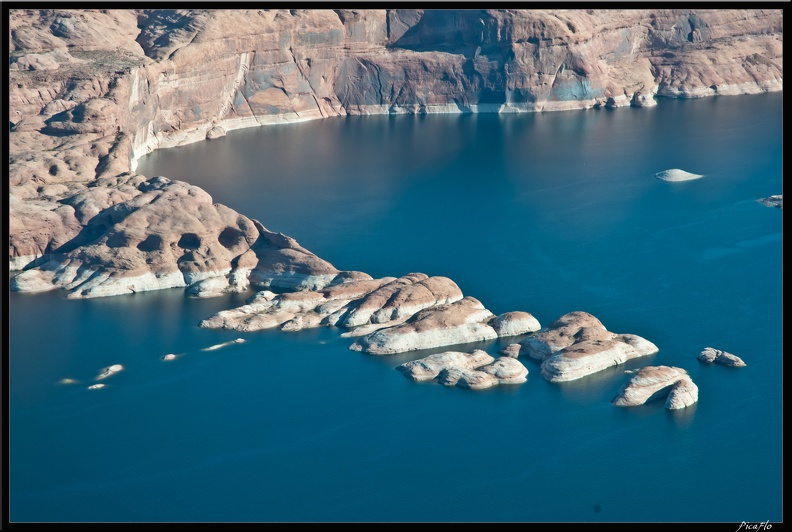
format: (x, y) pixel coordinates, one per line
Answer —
(90, 91)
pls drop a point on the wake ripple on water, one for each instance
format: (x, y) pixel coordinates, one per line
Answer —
(741, 247)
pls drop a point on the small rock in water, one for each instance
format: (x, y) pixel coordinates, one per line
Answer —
(776, 200)
(106, 372)
(68, 381)
(511, 350)
(710, 355)
(675, 174)
(224, 344)
(169, 356)
(96, 386)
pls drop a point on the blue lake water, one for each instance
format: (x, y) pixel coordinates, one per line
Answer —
(546, 213)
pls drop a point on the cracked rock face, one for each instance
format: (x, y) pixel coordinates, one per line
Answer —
(577, 345)
(658, 382)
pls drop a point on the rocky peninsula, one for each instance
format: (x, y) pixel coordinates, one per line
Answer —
(92, 90)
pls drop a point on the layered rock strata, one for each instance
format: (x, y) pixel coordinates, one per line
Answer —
(715, 356)
(577, 344)
(658, 382)
(92, 90)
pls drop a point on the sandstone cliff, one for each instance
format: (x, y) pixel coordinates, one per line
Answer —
(92, 90)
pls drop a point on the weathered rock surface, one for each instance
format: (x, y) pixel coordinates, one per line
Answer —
(400, 299)
(461, 322)
(92, 90)
(476, 370)
(511, 351)
(466, 378)
(506, 370)
(429, 367)
(352, 300)
(656, 382)
(776, 200)
(388, 315)
(710, 355)
(577, 344)
(266, 310)
(131, 242)
(515, 323)
(559, 334)
(684, 393)
(676, 174)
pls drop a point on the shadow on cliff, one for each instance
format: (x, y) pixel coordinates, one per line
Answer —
(479, 37)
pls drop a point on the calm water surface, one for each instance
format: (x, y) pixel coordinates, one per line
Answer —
(547, 213)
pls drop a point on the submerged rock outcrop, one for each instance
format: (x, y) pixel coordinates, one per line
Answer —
(657, 382)
(776, 200)
(577, 344)
(711, 355)
(109, 370)
(676, 174)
